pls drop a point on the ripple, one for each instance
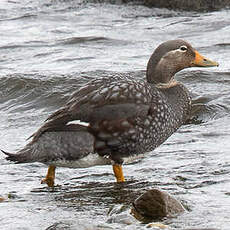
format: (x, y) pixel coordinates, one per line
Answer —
(20, 17)
(89, 39)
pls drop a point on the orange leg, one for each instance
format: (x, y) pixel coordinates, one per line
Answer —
(118, 172)
(50, 176)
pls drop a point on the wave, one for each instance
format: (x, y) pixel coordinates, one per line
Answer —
(18, 17)
(21, 92)
(67, 41)
(87, 39)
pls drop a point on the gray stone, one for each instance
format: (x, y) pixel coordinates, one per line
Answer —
(155, 204)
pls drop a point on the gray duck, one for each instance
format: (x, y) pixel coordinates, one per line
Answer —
(110, 120)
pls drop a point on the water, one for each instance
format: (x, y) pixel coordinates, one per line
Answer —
(48, 50)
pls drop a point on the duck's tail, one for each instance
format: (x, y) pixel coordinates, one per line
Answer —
(20, 157)
(69, 143)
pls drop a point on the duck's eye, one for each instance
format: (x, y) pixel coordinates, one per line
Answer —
(183, 48)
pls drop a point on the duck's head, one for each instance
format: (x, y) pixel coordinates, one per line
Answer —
(172, 56)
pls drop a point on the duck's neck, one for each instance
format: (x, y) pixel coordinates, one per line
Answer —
(160, 75)
(160, 71)
(178, 96)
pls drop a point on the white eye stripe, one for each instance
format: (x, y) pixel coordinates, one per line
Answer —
(182, 49)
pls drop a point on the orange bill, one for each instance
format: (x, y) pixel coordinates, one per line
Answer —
(201, 61)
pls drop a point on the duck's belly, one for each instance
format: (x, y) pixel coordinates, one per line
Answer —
(90, 160)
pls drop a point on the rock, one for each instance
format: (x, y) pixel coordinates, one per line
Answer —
(191, 5)
(187, 5)
(155, 204)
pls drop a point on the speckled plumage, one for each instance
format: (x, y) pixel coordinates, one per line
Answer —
(143, 119)
(126, 116)
(122, 116)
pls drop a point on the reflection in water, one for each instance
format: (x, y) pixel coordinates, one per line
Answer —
(86, 196)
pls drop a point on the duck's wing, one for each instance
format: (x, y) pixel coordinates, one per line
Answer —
(101, 100)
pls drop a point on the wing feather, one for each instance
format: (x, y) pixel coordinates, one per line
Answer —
(101, 99)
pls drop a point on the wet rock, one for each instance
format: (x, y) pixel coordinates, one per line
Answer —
(191, 5)
(155, 204)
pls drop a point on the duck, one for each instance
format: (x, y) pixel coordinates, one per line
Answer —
(110, 120)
